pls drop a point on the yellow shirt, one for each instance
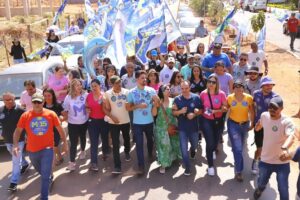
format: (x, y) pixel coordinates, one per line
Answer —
(239, 110)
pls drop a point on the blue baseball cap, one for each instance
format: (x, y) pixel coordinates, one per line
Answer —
(266, 81)
(153, 52)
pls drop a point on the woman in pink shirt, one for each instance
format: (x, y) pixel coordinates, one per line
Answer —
(214, 103)
(96, 123)
(153, 80)
(59, 83)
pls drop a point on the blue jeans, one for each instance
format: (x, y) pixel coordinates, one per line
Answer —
(296, 158)
(17, 61)
(138, 130)
(42, 162)
(97, 127)
(18, 161)
(184, 137)
(237, 134)
(212, 135)
(282, 175)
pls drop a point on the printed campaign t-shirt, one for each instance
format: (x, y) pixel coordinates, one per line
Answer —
(239, 110)
(186, 72)
(261, 103)
(39, 129)
(57, 85)
(275, 134)
(138, 96)
(210, 60)
(165, 74)
(128, 82)
(96, 106)
(117, 103)
(217, 101)
(256, 59)
(76, 109)
(224, 82)
(185, 124)
(238, 72)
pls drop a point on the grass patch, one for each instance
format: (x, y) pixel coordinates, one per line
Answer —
(288, 6)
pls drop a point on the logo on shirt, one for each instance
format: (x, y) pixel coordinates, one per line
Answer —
(192, 105)
(113, 98)
(257, 59)
(125, 82)
(145, 113)
(81, 98)
(245, 103)
(233, 103)
(275, 128)
(119, 104)
(216, 101)
(166, 75)
(2, 115)
(58, 82)
(39, 126)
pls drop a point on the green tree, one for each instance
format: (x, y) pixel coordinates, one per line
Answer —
(258, 22)
(200, 6)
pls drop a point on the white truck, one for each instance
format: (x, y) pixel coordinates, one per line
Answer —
(254, 5)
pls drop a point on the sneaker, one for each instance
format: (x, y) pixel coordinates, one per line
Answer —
(162, 170)
(257, 193)
(211, 171)
(214, 155)
(12, 187)
(94, 167)
(51, 181)
(239, 177)
(254, 167)
(82, 155)
(141, 170)
(24, 168)
(187, 172)
(117, 170)
(193, 154)
(127, 157)
(71, 166)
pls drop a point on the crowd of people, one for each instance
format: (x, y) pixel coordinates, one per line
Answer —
(175, 99)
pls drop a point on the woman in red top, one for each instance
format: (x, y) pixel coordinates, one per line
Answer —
(96, 123)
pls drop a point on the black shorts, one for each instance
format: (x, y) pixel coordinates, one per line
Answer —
(258, 138)
(56, 138)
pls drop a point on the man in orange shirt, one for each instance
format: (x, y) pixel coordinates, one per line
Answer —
(293, 29)
(39, 123)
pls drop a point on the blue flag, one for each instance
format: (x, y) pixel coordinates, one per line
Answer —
(59, 12)
(226, 21)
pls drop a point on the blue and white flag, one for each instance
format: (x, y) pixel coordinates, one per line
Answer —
(89, 10)
(261, 39)
(149, 37)
(226, 21)
(172, 28)
(59, 12)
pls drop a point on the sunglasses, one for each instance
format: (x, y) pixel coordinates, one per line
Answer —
(252, 73)
(272, 107)
(243, 59)
(37, 102)
(212, 82)
(217, 47)
(238, 86)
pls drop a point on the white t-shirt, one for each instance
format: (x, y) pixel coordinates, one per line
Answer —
(275, 134)
(117, 103)
(25, 99)
(166, 73)
(76, 109)
(257, 59)
(128, 82)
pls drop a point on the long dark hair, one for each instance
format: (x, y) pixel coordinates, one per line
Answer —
(152, 71)
(54, 99)
(173, 78)
(200, 44)
(161, 91)
(200, 74)
(108, 67)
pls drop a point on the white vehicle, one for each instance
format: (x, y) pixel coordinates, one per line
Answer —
(254, 5)
(77, 42)
(188, 26)
(12, 79)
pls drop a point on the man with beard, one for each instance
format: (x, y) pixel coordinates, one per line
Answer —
(253, 82)
(167, 72)
(140, 100)
(279, 133)
(261, 99)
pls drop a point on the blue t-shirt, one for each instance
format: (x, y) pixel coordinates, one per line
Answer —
(184, 124)
(138, 96)
(261, 103)
(210, 60)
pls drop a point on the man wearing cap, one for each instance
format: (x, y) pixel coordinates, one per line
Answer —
(10, 114)
(39, 124)
(279, 133)
(118, 119)
(253, 81)
(292, 25)
(257, 57)
(210, 59)
(167, 72)
(240, 107)
(261, 99)
(186, 70)
(154, 62)
(239, 68)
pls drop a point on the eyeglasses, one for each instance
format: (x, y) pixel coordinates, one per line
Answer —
(217, 47)
(179, 76)
(243, 59)
(272, 107)
(212, 82)
(37, 102)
